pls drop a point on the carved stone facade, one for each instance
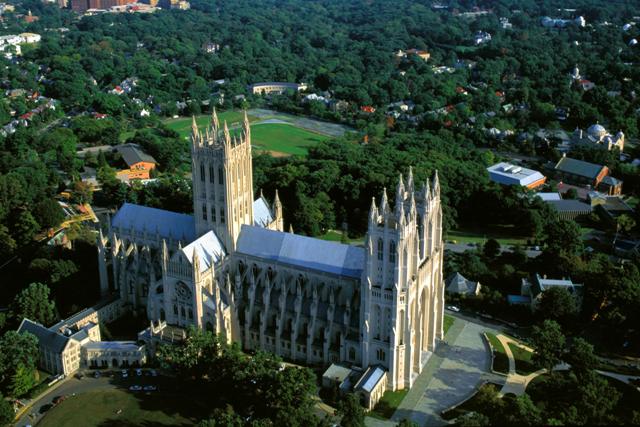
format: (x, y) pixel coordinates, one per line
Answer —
(231, 269)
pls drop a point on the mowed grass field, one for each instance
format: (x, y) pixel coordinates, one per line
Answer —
(278, 139)
(100, 408)
(183, 124)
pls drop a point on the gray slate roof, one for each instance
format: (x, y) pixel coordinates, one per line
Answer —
(261, 213)
(569, 206)
(458, 284)
(578, 167)
(169, 224)
(132, 154)
(52, 340)
(302, 251)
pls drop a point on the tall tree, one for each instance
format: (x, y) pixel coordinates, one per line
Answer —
(35, 304)
(350, 411)
(549, 344)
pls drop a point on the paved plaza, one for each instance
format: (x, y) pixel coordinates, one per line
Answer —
(450, 376)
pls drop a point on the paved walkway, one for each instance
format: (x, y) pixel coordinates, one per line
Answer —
(450, 376)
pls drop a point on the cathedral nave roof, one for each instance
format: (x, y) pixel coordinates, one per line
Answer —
(302, 251)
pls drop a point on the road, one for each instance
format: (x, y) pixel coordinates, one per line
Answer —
(463, 247)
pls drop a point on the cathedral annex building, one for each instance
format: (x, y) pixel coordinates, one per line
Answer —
(230, 268)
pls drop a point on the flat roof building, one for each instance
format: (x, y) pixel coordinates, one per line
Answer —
(508, 174)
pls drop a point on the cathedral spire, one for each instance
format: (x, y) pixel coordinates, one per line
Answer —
(373, 213)
(436, 184)
(195, 133)
(290, 228)
(227, 135)
(214, 121)
(195, 260)
(410, 180)
(384, 202)
(400, 190)
(247, 128)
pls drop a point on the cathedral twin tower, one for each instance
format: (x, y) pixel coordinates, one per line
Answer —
(305, 299)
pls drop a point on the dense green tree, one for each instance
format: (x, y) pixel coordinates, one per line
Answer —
(491, 248)
(580, 356)
(7, 415)
(22, 381)
(34, 303)
(558, 304)
(48, 213)
(549, 345)
(350, 411)
(473, 419)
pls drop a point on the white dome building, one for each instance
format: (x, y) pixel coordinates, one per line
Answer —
(597, 131)
(633, 42)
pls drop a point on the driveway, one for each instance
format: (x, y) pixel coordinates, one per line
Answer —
(451, 375)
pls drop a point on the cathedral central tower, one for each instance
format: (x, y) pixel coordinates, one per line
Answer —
(222, 180)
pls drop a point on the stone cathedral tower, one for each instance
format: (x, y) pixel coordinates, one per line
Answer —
(222, 180)
(403, 294)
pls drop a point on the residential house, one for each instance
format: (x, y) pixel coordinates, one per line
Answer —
(534, 287)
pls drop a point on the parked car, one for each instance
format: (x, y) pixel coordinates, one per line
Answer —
(150, 388)
(79, 376)
(135, 388)
(59, 399)
(453, 308)
(154, 373)
(125, 374)
(138, 372)
(96, 374)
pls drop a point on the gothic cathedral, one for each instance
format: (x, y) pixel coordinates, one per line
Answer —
(230, 268)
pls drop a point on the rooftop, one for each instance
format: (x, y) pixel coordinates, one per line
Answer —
(166, 223)
(261, 213)
(578, 167)
(112, 345)
(302, 251)
(569, 205)
(370, 379)
(507, 173)
(132, 154)
(209, 249)
(52, 340)
(457, 283)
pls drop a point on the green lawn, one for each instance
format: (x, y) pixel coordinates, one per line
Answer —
(100, 408)
(500, 359)
(182, 125)
(448, 322)
(336, 236)
(524, 366)
(470, 404)
(279, 139)
(388, 404)
(284, 139)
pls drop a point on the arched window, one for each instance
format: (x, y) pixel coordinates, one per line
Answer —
(175, 309)
(190, 314)
(202, 171)
(380, 249)
(211, 174)
(220, 176)
(162, 315)
(204, 212)
(352, 353)
(182, 312)
(222, 214)
(392, 251)
(209, 327)
(213, 214)
(380, 354)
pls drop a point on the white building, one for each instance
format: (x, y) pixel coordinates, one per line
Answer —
(508, 174)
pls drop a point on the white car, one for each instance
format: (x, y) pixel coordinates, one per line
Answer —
(135, 388)
(125, 374)
(453, 308)
(150, 388)
(154, 373)
(138, 372)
